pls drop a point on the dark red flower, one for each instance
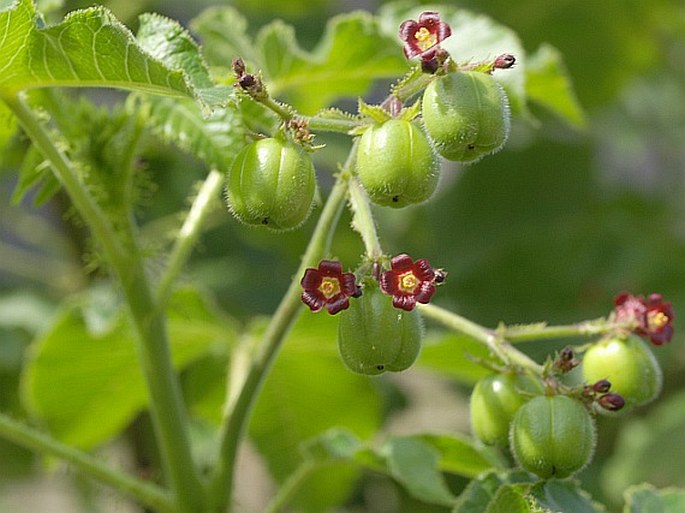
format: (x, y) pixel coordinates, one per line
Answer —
(328, 286)
(409, 282)
(651, 318)
(423, 37)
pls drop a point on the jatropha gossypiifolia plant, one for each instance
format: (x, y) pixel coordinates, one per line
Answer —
(543, 415)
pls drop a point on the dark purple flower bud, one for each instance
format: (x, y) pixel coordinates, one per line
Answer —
(504, 61)
(602, 386)
(611, 402)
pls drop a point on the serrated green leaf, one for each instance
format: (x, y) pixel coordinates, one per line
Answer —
(461, 455)
(215, 139)
(481, 491)
(564, 495)
(85, 384)
(352, 54)
(414, 464)
(511, 499)
(646, 498)
(548, 84)
(308, 392)
(91, 48)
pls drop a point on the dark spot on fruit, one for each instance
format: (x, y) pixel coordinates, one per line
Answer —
(380, 367)
(395, 199)
(265, 220)
(471, 146)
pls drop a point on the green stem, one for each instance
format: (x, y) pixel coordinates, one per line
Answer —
(189, 233)
(292, 485)
(166, 405)
(324, 124)
(239, 410)
(146, 493)
(363, 221)
(526, 333)
(497, 345)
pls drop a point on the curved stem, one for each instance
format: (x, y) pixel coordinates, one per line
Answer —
(189, 233)
(166, 404)
(238, 415)
(541, 331)
(497, 345)
(147, 494)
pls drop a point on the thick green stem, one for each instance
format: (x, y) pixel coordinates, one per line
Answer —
(531, 332)
(292, 485)
(166, 405)
(146, 494)
(189, 233)
(239, 410)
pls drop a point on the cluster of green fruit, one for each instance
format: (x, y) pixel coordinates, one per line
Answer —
(553, 434)
(465, 116)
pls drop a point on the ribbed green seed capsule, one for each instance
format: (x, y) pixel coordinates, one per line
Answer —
(466, 115)
(374, 337)
(552, 436)
(396, 164)
(271, 183)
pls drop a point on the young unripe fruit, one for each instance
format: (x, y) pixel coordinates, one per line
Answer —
(271, 183)
(552, 436)
(374, 337)
(494, 401)
(628, 364)
(466, 115)
(396, 164)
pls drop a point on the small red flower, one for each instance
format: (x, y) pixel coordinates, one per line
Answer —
(328, 286)
(652, 318)
(423, 37)
(409, 282)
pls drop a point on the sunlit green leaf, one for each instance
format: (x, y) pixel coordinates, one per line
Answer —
(455, 356)
(511, 499)
(461, 455)
(90, 47)
(481, 491)
(549, 85)
(564, 495)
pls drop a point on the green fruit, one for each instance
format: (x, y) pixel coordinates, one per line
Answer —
(374, 336)
(494, 401)
(628, 364)
(396, 164)
(271, 183)
(466, 115)
(552, 436)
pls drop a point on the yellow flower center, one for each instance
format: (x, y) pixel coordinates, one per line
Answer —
(658, 320)
(408, 282)
(329, 287)
(425, 38)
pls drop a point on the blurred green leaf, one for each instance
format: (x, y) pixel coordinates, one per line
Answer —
(308, 392)
(549, 85)
(414, 463)
(352, 54)
(85, 385)
(452, 355)
(564, 495)
(461, 455)
(481, 491)
(647, 499)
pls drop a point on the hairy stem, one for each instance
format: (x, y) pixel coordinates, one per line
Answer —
(241, 406)
(166, 405)
(189, 233)
(146, 493)
(363, 221)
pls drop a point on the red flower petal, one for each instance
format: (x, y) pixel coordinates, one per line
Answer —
(402, 262)
(426, 291)
(311, 279)
(313, 300)
(423, 270)
(388, 282)
(330, 268)
(404, 302)
(337, 303)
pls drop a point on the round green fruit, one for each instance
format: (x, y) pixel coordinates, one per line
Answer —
(552, 436)
(271, 183)
(396, 164)
(374, 336)
(494, 401)
(466, 115)
(628, 364)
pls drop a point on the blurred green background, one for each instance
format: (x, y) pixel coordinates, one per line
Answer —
(549, 229)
